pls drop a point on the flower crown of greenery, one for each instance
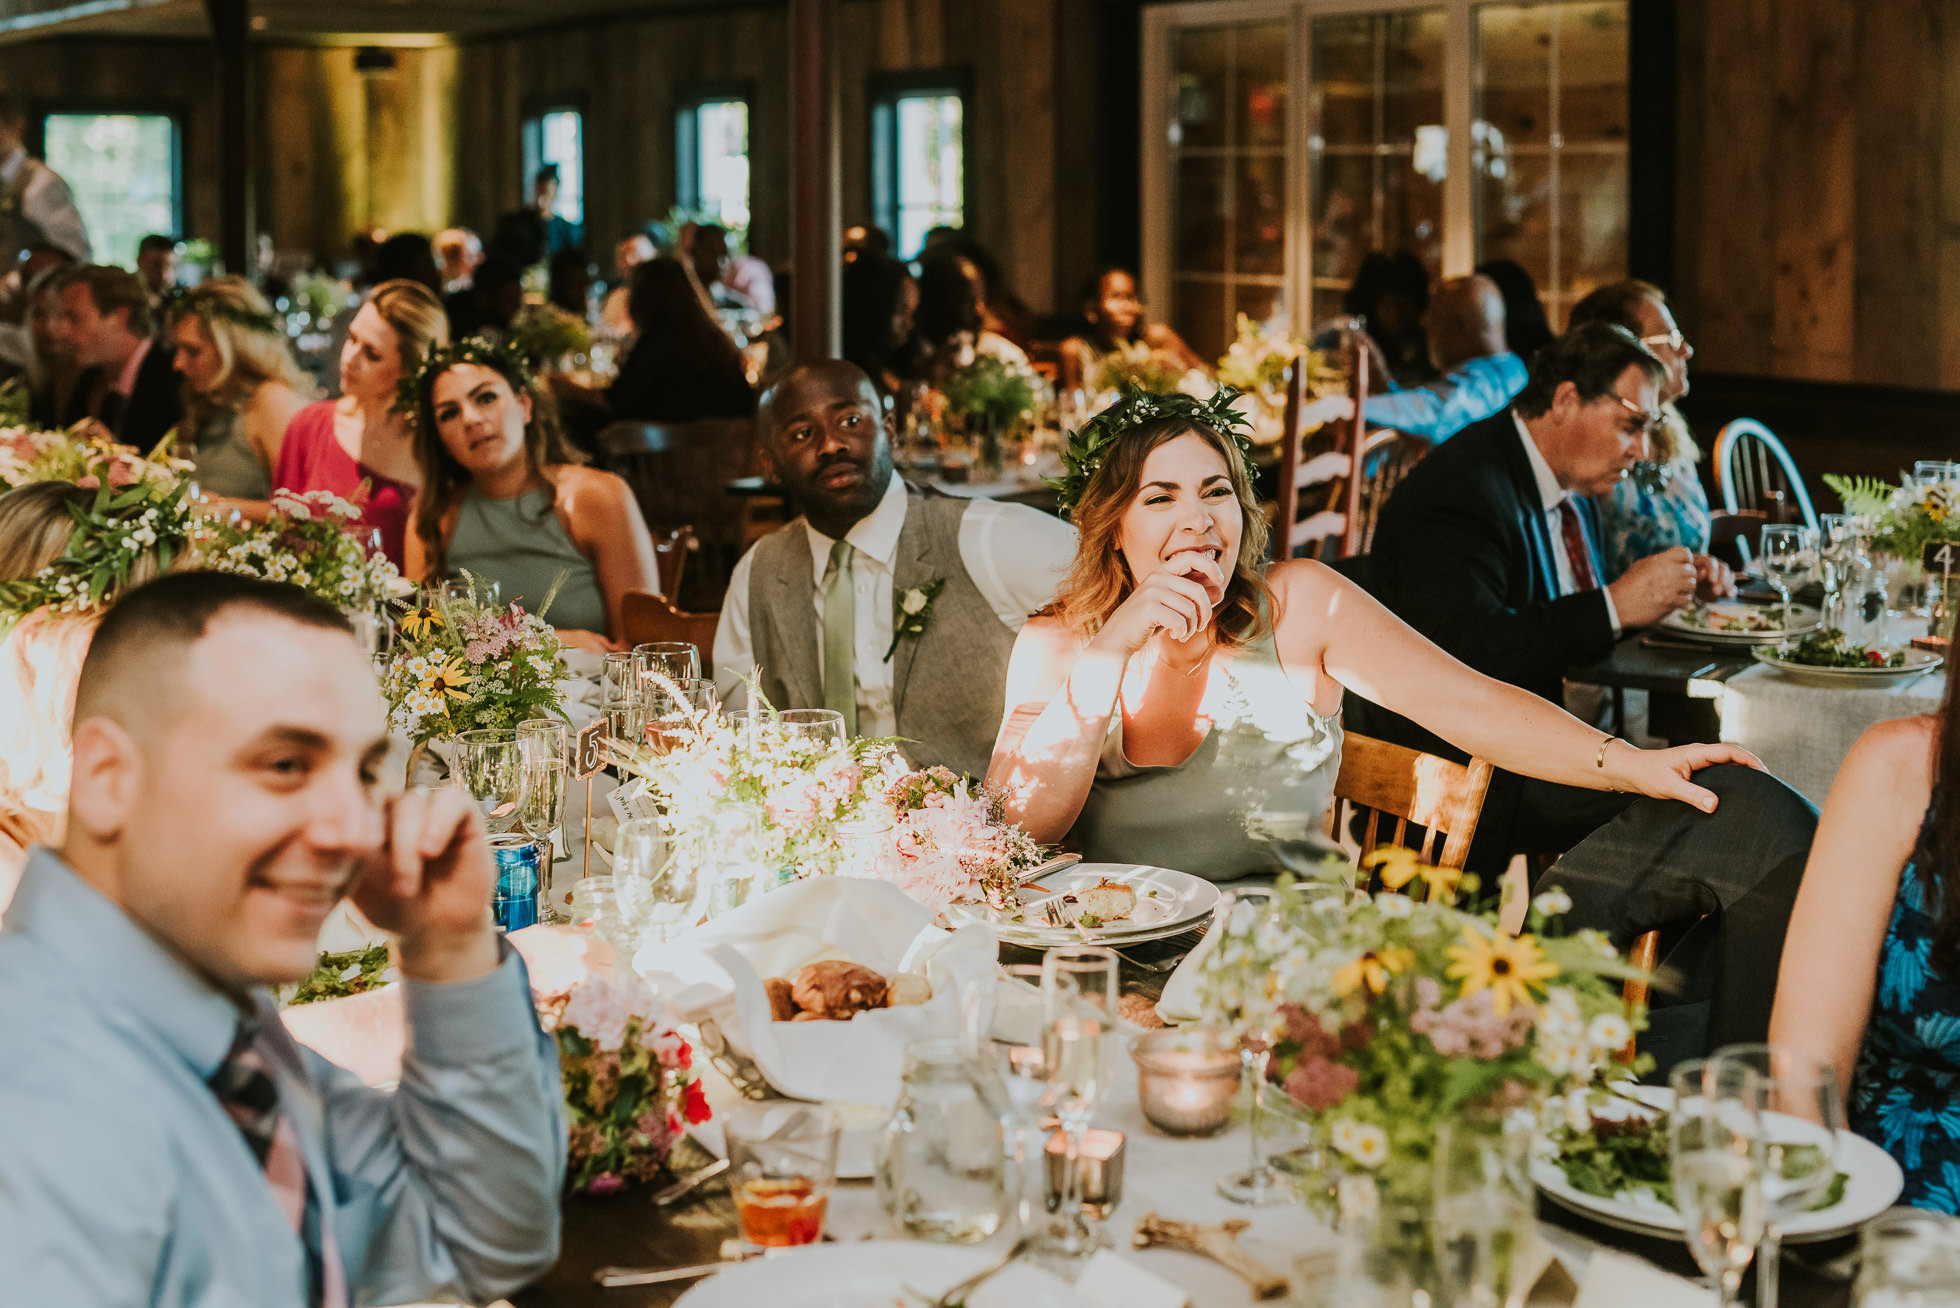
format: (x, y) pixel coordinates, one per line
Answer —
(181, 301)
(1090, 445)
(117, 527)
(501, 356)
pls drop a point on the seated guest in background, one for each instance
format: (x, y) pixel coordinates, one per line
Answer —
(1870, 983)
(1525, 326)
(407, 256)
(533, 234)
(866, 238)
(242, 388)
(1489, 548)
(106, 326)
(736, 281)
(634, 249)
(568, 284)
(881, 304)
(1661, 503)
(163, 1140)
(951, 325)
(360, 446)
(156, 264)
(682, 365)
(506, 499)
(490, 305)
(59, 390)
(1465, 326)
(458, 251)
(1001, 311)
(1116, 326)
(1389, 294)
(813, 604)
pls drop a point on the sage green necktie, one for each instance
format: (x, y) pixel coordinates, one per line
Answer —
(840, 639)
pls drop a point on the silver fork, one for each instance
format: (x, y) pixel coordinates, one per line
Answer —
(958, 1293)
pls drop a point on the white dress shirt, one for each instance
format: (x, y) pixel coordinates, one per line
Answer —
(1552, 495)
(48, 204)
(1016, 556)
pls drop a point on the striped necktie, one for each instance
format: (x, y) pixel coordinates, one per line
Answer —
(244, 1086)
(840, 638)
(1576, 552)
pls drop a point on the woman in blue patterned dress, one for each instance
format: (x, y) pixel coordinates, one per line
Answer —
(1662, 504)
(1870, 980)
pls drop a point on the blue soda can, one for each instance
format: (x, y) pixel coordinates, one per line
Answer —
(520, 864)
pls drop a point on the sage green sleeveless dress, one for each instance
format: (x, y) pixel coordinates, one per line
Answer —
(1263, 773)
(520, 544)
(226, 462)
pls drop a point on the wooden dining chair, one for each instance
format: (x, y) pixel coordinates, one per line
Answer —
(1755, 472)
(647, 618)
(1313, 480)
(1646, 952)
(1379, 779)
(670, 558)
(680, 472)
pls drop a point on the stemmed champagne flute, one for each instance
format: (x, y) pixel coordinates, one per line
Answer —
(1004, 1017)
(542, 746)
(1078, 1037)
(1788, 553)
(1715, 1146)
(1802, 1116)
(1260, 1184)
(672, 709)
(621, 701)
(1837, 543)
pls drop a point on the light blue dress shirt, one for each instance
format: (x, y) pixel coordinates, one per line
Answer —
(124, 1182)
(1477, 389)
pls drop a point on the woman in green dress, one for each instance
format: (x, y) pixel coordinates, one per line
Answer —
(505, 498)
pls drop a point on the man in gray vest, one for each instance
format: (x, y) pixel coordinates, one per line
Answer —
(36, 206)
(896, 608)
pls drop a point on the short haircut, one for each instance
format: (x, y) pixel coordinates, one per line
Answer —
(1617, 303)
(147, 631)
(116, 288)
(155, 241)
(1592, 357)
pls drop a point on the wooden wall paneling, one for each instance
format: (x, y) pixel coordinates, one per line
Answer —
(1077, 197)
(1734, 255)
(285, 148)
(1897, 311)
(1947, 265)
(1690, 108)
(1025, 181)
(1815, 153)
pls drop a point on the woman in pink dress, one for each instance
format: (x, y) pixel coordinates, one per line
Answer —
(357, 446)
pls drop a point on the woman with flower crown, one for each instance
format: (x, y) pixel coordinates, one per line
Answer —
(507, 499)
(1179, 703)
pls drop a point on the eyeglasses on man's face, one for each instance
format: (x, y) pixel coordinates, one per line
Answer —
(1673, 340)
(1644, 422)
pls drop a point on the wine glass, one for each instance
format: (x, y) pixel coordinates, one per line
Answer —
(488, 767)
(1802, 1115)
(1486, 1208)
(821, 726)
(1788, 553)
(1837, 544)
(1715, 1146)
(674, 659)
(674, 710)
(1260, 1185)
(1004, 1017)
(1078, 1036)
(620, 698)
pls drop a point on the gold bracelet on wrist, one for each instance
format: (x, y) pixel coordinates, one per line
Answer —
(1599, 761)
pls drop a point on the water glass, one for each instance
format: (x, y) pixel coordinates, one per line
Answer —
(821, 726)
(488, 767)
(1715, 1146)
(1078, 1038)
(661, 889)
(1789, 552)
(1908, 1258)
(1931, 472)
(728, 852)
(544, 738)
(1003, 1019)
(674, 659)
(782, 1162)
(1802, 1115)
(620, 700)
(940, 1166)
(374, 629)
(1486, 1209)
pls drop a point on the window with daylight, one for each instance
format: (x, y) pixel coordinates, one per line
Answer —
(712, 154)
(125, 171)
(557, 136)
(918, 161)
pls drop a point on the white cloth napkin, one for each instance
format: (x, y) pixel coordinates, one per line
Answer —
(1617, 1280)
(1179, 1002)
(1113, 1281)
(716, 972)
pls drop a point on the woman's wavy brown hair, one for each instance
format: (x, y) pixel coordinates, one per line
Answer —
(445, 481)
(251, 351)
(1100, 579)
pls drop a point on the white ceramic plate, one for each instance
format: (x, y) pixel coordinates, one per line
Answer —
(1918, 662)
(874, 1274)
(1803, 618)
(1874, 1186)
(1167, 903)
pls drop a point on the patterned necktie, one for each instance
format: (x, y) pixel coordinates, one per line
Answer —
(840, 638)
(244, 1086)
(1576, 552)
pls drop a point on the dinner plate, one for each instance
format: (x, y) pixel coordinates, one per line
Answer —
(875, 1274)
(1168, 903)
(1874, 1185)
(1918, 662)
(1686, 622)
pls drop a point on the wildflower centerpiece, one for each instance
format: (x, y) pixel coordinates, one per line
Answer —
(464, 664)
(1388, 1015)
(1900, 521)
(310, 541)
(991, 397)
(30, 454)
(1256, 364)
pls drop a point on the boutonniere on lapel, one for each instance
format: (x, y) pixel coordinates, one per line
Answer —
(911, 610)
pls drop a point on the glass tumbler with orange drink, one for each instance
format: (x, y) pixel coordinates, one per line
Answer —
(782, 1162)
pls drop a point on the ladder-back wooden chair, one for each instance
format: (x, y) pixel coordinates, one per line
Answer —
(680, 472)
(649, 618)
(670, 558)
(1755, 473)
(1412, 789)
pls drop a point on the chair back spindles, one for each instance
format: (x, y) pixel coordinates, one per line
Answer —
(1755, 474)
(1413, 789)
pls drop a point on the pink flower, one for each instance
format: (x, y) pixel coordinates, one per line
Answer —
(1320, 1084)
(1301, 1025)
(605, 1183)
(91, 481)
(598, 1012)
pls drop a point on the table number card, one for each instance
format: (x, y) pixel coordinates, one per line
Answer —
(590, 756)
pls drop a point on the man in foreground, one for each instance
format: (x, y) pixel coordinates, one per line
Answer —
(162, 1140)
(817, 604)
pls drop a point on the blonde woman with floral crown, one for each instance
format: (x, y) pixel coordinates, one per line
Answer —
(45, 628)
(241, 389)
(1179, 703)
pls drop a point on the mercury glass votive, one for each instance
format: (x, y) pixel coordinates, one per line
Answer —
(1187, 1080)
